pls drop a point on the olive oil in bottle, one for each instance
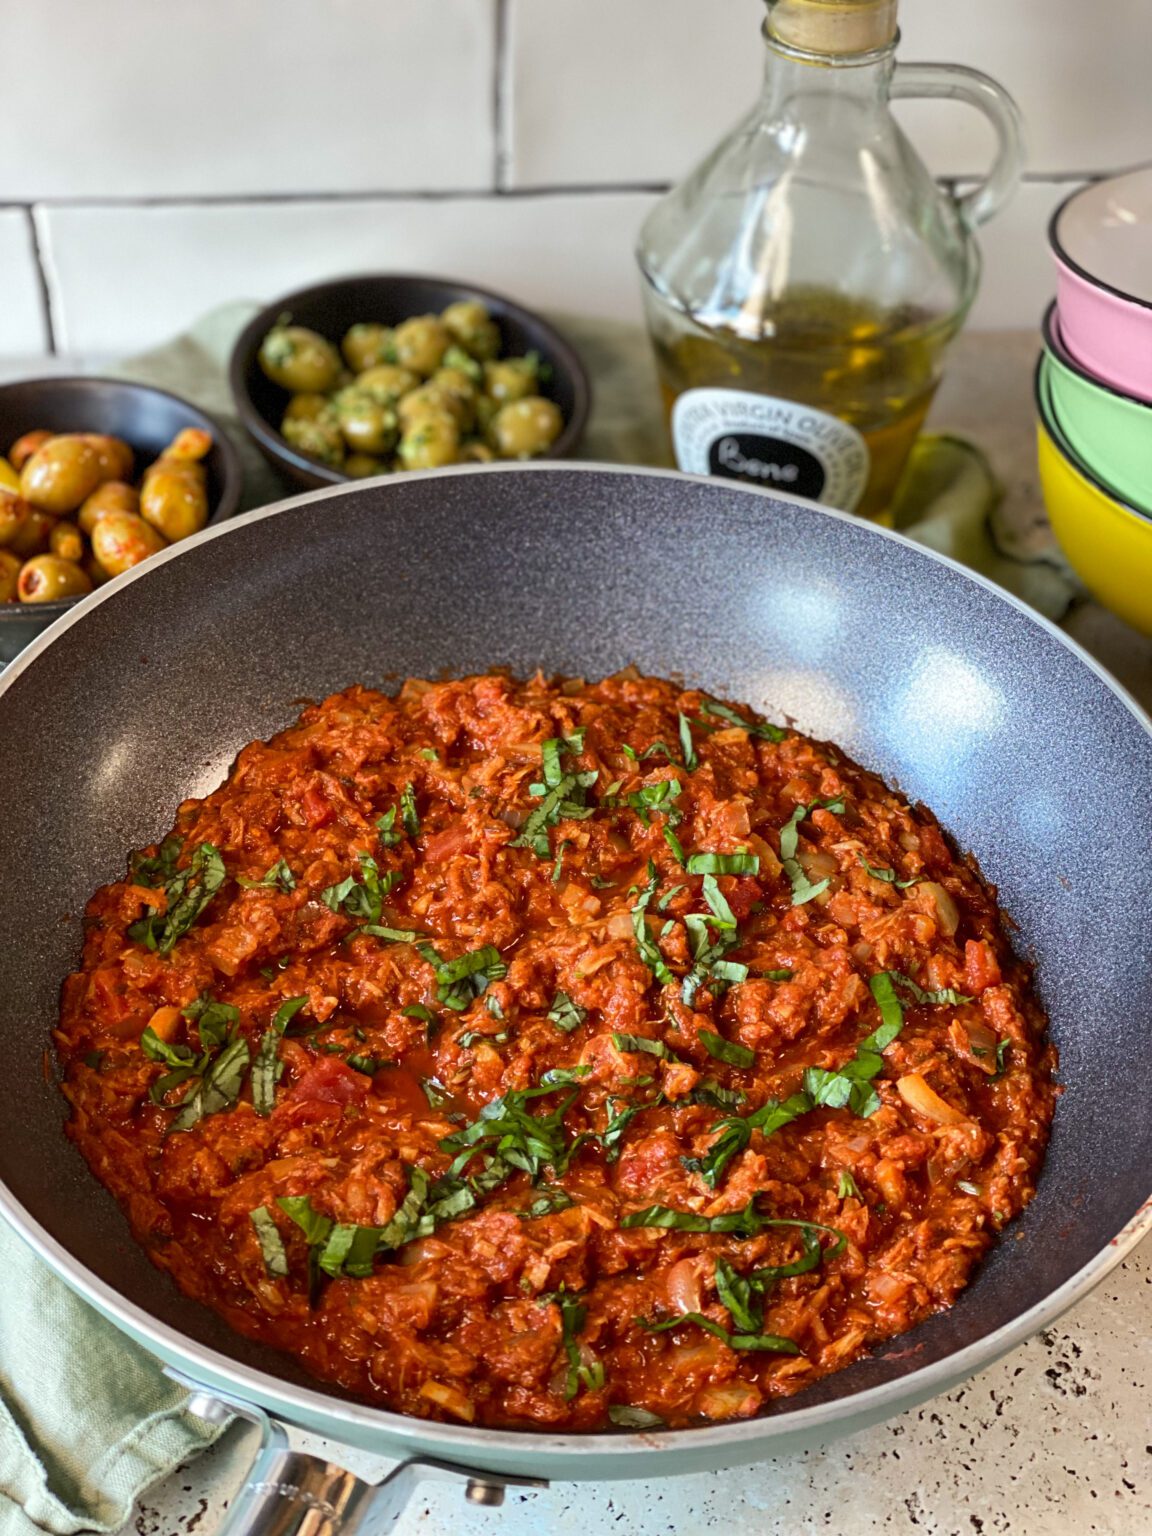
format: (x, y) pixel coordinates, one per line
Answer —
(802, 285)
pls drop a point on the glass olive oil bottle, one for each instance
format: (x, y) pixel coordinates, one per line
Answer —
(802, 284)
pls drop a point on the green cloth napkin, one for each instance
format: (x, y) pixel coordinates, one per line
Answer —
(87, 1420)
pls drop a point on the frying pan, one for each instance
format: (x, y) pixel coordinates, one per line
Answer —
(1031, 756)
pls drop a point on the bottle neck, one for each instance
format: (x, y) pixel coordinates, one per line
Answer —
(863, 77)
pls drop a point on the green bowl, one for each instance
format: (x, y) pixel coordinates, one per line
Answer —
(1109, 431)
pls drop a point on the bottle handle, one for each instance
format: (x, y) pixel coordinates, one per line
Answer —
(956, 83)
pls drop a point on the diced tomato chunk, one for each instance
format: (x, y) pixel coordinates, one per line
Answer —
(332, 1082)
(981, 969)
(743, 893)
(316, 808)
(447, 844)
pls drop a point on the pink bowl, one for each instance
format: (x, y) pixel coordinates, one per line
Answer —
(1101, 240)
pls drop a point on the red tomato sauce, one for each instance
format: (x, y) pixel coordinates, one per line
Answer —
(687, 916)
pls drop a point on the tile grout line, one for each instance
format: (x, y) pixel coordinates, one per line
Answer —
(500, 97)
(454, 194)
(43, 287)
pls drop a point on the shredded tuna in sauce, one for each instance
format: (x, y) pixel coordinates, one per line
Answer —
(552, 1054)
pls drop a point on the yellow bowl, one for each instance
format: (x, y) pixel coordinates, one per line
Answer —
(1107, 543)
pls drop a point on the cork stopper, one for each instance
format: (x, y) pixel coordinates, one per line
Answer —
(833, 27)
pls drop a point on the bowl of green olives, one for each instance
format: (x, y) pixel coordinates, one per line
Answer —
(380, 374)
(96, 475)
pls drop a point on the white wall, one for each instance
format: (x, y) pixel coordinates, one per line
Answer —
(175, 156)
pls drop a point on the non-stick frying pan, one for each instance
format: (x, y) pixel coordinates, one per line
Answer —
(1029, 754)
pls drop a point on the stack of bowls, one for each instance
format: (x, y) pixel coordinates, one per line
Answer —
(1094, 392)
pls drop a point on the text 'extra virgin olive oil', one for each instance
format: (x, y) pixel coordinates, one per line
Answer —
(801, 286)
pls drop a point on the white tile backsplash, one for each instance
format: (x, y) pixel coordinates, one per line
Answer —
(22, 327)
(149, 98)
(624, 90)
(125, 278)
(244, 146)
(639, 90)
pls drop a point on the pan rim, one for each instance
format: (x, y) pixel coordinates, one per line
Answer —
(313, 1402)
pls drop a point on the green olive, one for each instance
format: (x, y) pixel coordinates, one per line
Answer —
(511, 378)
(428, 401)
(454, 385)
(431, 443)
(14, 512)
(359, 466)
(112, 496)
(470, 324)
(320, 439)
(9, 570)
(67, 541)
(387, 382)
(116, 458)
(63, 473)
(31, 538)
(368, 426)
(121, 540)
(309, 407)
(299, 360)
(24, 447)
(365, 345)
(526, 428)
(420, 343)
(45, 578)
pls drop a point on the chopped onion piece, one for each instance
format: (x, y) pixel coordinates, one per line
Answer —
(926, 1101)
(947, 912)
(449, 1398)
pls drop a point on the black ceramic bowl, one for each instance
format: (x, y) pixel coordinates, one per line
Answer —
(146, 418)
(388, 298)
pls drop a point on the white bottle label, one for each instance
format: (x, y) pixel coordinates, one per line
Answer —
(775, 444)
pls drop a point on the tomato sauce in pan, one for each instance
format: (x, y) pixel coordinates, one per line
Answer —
(552, 1054)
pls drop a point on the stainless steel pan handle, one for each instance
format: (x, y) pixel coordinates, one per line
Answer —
(290, 1493)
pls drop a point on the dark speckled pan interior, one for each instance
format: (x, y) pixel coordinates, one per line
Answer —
(1029, 757)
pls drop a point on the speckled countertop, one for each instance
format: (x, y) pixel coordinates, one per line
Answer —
(1054, 1440)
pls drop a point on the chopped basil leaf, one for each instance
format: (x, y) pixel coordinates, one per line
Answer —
(745, 1308)
(435, 1092)
(160, 867)
(366, 1064)
(492, 1003)
(646, 945)
(918, 994)
(773, 1342)
(565, 842)
(657, 797)
(566, 1014)
(611, 1137)
(430, 754)
(723, 864)
(549, 1199)
(676, 846)
(386, 828)
(390, 935)
(691, 761)
(778, 975)
(279, 876)
(363, 898)
(418, 1011)
(889, 875)
(460, 981)
(846, 1188)
(514, 1136)
(722, 916)
(187, 893)
(602, 885)
(662, 904)
(562, 796)
(744, 1223)
(271, 1243)
(1002, 1048)
(573, 1315)
(760, 728)
(267, 1067)
(642, 1044)
(219, 1087)
(627, 1416)
(803, 889)
(408, 813)
(726, 1050)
